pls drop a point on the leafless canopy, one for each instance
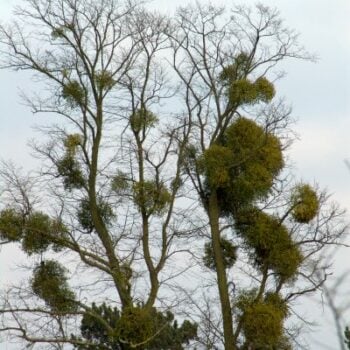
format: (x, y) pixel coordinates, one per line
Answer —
(130, 92)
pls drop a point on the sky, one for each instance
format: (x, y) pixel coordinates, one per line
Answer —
(318, 92)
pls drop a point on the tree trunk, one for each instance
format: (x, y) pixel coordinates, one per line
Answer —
(213, 211)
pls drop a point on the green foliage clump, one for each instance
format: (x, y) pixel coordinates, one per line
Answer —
(285, 260)
(264, 89)
(262, 325)
(120, 183)
(95, 326)
(71, 143)
(74, 93)
(283, 344)
(239, 89)
(68, 167)
(135, 325)
(104, 80)
(107, 329)
(151, 197)
(257, 161)
(11, 225)
(85, 217)
(142, 119)
(262, 320)
(40, 231)
(59, 234)
(50, 284)
(217, 162)
(243, 168)
(58, 32)
(237, 70)
(242, 91)
(229, 252)
(305, 203)
(277, 301)
(37, 233)
(272, 246)
(251, 143)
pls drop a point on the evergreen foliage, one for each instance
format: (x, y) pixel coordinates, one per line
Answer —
(262, 320)
(37, 233)
(50, 284)
(239, 89)
(68, 167)
(168, 165)
(73, 93)
(243, 168)
(142, 119)
(84, 214)
(104, 80)
(120, 183)
(270, 240)
(305, 203)
(11, 225)
(151, 196)
(240, 168)
(107, 328)
(236, 70)
(58, 32)
(229, 252)
(71, 173)
(71, 143)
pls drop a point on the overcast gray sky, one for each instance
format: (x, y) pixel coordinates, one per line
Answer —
(319, 94)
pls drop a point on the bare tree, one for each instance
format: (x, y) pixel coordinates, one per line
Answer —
(145, 163)
(226, 62)
(110, 180)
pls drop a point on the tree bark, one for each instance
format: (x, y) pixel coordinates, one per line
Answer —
(213, 212)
